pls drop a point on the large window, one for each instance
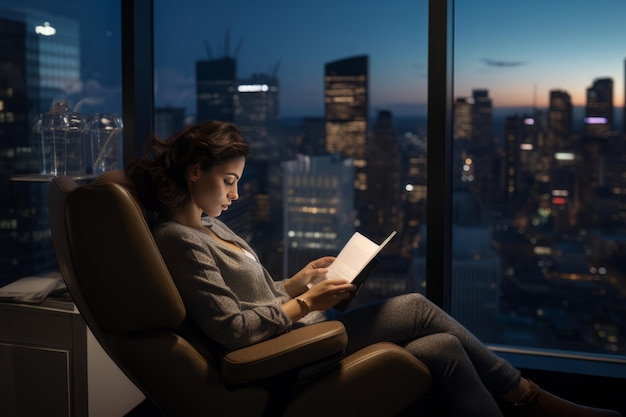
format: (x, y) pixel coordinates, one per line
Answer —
(539, 174)
(50, 52)
(332, 97)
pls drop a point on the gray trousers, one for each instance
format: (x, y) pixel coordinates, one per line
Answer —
(466, 374)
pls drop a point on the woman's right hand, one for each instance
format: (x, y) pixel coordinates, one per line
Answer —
(328, 293)
(314, 271)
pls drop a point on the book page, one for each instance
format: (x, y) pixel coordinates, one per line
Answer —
(354, 256)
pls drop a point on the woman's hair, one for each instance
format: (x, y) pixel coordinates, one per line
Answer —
(159, 177)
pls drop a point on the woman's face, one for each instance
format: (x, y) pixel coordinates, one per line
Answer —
(213, 191)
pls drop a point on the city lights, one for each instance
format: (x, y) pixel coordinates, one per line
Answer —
(564, 156)
(596, 120)
(45, 30)
(253, 88)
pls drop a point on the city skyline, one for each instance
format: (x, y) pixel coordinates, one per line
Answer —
(529, 50)
(519, 51)
(523, 213)
(538, 46)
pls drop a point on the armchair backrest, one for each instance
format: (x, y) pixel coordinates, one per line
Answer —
(123, 289)
(109, 242)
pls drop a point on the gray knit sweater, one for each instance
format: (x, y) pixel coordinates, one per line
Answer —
(229, 295)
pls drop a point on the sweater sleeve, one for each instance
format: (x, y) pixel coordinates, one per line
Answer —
(229, 296)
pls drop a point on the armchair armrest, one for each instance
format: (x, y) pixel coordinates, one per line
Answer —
(301, 346)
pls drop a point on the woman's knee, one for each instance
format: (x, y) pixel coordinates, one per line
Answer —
(436, 345)
(414, 298)
(422, 305)
(442, 352)
(450, 343)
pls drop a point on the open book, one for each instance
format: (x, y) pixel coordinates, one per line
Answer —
(355, 262)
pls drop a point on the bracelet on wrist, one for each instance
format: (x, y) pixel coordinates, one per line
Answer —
(302, 302)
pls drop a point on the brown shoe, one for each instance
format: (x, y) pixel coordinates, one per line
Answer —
(539, 403)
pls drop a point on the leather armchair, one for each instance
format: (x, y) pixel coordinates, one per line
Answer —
(124, 292)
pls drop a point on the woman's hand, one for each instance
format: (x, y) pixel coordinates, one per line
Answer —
(318, 268)
(327, 293)
(321, 296)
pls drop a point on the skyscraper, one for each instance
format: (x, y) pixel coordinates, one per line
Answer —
(462, 162)
(558, 154)
(522, 158)
(385, 186)
(560, 119)
(216, 87)
(257, 100)
(318, 208)
(256, 114)
(463, 115)
(481, 148)
(482, 119)
(34, 41)
(28, 87)
(13, 94)
(599, 111)
(346, 99)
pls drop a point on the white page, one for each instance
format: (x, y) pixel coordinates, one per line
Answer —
(354, 256)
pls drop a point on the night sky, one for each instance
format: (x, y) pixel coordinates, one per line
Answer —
(299, 37)
(518, 50)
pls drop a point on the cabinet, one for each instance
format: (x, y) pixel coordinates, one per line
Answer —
(51, 365)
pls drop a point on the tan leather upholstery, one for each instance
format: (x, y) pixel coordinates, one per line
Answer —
(123, 290)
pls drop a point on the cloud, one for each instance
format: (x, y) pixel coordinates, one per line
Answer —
(502, 64)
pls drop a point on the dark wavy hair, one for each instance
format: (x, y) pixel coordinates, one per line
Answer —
(159, 177)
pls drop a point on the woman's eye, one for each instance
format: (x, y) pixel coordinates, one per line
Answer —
(229, 182)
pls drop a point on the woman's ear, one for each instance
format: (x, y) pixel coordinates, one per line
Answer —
(193, 172)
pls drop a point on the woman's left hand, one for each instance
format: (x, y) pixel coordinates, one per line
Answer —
(297, 284)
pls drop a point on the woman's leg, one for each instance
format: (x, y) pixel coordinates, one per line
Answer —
(464, 369)
(407, 318)
(459, 387)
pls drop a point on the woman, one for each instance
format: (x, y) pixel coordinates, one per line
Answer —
(192, 178)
